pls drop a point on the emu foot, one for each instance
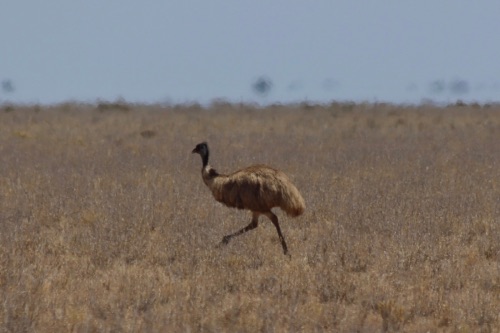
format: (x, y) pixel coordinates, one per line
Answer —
(224, 241)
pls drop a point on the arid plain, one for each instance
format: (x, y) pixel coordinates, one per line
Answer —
(106, 225)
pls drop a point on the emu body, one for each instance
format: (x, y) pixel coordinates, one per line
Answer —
(258, 188)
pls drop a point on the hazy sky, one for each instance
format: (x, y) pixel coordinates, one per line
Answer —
(183, 51)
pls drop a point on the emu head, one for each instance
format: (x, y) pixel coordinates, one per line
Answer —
(202, 149)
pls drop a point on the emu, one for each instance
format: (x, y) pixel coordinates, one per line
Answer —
(258, 188)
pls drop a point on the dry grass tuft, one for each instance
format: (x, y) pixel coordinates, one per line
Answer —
(106, 224)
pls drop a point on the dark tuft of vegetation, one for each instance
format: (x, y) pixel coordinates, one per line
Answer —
(147, 134)
(113, 106)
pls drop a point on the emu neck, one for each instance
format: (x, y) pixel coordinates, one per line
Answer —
(204, 159)
(209, 174)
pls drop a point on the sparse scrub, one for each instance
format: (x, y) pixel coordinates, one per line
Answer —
(106, 226)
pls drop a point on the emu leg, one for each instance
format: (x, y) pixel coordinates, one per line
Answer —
(274, 219)
(252, 225)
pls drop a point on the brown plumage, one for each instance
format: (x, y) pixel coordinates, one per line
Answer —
(258, 188)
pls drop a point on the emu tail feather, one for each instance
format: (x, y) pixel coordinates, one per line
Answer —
(292, 202)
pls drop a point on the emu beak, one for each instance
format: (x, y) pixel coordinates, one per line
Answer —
(194, 151)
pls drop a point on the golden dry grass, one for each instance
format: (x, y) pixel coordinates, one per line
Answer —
(106, 225)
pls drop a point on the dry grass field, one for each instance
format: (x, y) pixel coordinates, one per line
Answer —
(106, 225)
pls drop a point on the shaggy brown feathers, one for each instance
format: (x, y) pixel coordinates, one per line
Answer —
(258, 188)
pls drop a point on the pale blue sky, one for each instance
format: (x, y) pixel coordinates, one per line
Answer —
(183, 51)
